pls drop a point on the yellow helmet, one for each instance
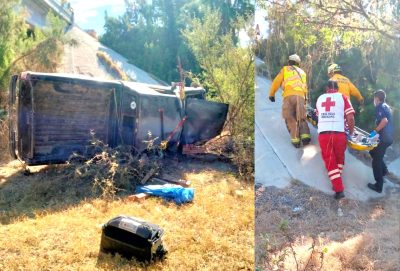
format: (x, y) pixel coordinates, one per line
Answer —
(334, 68)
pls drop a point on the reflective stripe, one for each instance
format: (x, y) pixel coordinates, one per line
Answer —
(340, 166)
(297, 85)
(335, 176)
(304, 136)
(290, 78)
(295, 140)
(292, 81)
(348, 111)
(333, 172)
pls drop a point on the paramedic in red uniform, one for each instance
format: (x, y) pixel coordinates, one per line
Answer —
(333, 110)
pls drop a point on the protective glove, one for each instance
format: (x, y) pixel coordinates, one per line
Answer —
(272, 99)
(372, 134)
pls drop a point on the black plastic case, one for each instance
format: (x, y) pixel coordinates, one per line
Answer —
(133, 237)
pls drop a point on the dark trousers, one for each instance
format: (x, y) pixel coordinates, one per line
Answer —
(378, 165)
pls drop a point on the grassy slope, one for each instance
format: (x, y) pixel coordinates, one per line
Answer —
(53, 232)
(359, 236)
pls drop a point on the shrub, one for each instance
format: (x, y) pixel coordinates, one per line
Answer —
(111, 170)
(229, 77)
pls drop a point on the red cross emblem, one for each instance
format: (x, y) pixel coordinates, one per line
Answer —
(328, 104)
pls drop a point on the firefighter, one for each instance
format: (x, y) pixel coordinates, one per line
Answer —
(293, 82)
(346, 87)
(384, 122)
(333, 110)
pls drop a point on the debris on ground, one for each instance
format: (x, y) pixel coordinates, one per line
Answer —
(173, 192)
(180, 182)
(193, 149)
(140, 197)
(148, 175)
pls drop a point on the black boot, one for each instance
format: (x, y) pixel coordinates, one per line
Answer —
(306, 141)
(296, 145)
(374, 187)
(339, 195)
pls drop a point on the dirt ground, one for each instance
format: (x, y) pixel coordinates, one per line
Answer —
(51, 222)
(324, 234)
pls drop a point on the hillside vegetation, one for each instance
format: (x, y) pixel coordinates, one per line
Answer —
(361, 36)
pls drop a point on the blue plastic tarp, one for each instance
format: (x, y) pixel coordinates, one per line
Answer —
(176, 193)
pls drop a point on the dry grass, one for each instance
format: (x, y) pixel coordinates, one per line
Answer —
(4, 152)
(363, 236)
(112, 66)
(51, 231)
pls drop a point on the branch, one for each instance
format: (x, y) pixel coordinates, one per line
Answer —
(15, 61)
(311, 255)
(346, 26)
(358, 8)
(30, 52)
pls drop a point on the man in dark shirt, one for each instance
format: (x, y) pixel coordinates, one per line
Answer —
(384, 122)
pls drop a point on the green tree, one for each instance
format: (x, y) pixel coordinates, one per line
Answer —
(230, 11)
(18, 52)
(11, 36)
(149, 34)
(228, 72)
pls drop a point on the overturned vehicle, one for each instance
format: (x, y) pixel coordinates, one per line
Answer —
(55, 115)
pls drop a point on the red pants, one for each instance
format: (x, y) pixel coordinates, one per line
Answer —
(333, 147)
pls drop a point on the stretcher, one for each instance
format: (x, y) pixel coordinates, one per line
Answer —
(360, 140)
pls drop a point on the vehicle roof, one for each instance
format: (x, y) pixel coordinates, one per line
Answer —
(141, 88)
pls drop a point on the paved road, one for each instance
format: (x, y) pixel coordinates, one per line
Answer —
(278, 162)
(83, 60)
(394, 167)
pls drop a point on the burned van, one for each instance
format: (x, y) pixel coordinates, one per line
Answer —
(54, 115)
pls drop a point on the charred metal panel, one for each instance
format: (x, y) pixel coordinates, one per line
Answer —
(205, 120)
(128, 117)
(12, 116)
(149, 119)
(56, 113)
(25, 121)
(63, 114)
(114, 116)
